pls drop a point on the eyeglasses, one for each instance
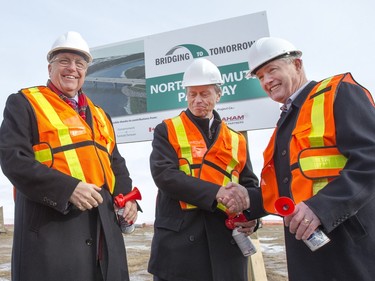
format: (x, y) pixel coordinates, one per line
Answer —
(64, 62)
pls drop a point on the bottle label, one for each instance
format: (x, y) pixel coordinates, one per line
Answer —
(317, 240)
(126, 227)
(244, 243)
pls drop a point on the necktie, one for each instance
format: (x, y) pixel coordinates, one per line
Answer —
(74, 104)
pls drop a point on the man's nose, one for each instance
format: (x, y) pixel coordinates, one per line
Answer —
(198, 98)
(267, 78)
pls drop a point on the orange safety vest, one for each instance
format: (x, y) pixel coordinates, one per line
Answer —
(221, 163)
(314, 157)
(66, 141)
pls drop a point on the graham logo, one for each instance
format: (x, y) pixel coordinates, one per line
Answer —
(233, 118)
(192, 50)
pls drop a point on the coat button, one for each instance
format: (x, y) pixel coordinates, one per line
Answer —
(191, 238)
(283, 153)
(89, 242)
(285, 180)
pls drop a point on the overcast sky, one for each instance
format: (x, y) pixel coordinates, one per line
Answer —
(335, 36)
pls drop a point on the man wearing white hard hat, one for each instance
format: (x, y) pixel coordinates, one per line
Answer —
(322, 157)
(58, 149)
(203, 173)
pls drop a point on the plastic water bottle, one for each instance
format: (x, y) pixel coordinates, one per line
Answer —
(244, 243)
(126, 227)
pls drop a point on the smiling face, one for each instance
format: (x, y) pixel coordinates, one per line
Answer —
(67, 72)
(281, 78)
(202, 100)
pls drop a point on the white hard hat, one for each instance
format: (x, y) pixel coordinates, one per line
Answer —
(267, 49)
(201, 72)
(70, 41)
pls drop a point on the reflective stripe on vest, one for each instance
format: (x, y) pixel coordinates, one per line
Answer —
(43, 154)
(63, 133)
(185, 147)
(100, 114)
(326, 162)
(327, 165)
(231, 166)
(314, 157)
(109, 139)
(193, 153)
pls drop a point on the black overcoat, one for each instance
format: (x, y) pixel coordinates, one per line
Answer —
(345, 206)
(53, 240)
(192, 245)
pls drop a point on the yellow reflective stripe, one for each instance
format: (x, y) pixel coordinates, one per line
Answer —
(235, 179)
(190, 206)
(221, 207)
(185, 168)
(182, 139)
(319, 184)
(109, 145)
(318, 127)
(232, 164)
(322, 162)
(317, 117)
(105, 127)
(63, 133)
(43, 155)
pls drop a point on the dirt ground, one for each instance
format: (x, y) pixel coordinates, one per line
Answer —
(138, 250)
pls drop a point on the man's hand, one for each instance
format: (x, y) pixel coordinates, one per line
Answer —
(130, 213)
(303, 222)
(86, 196)
(246, 227)
(233, 196)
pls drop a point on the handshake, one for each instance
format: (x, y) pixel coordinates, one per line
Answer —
(234, 197)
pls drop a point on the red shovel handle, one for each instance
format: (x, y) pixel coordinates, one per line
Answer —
(229, 222)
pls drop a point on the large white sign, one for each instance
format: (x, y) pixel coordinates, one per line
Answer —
(138, 82)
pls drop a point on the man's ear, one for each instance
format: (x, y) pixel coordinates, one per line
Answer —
(298, 63)
(218, 96)
(49, 70)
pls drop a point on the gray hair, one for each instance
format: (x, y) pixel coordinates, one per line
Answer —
(218, 89)
(290, 58)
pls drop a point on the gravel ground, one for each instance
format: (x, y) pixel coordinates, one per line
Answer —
(138, 250)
